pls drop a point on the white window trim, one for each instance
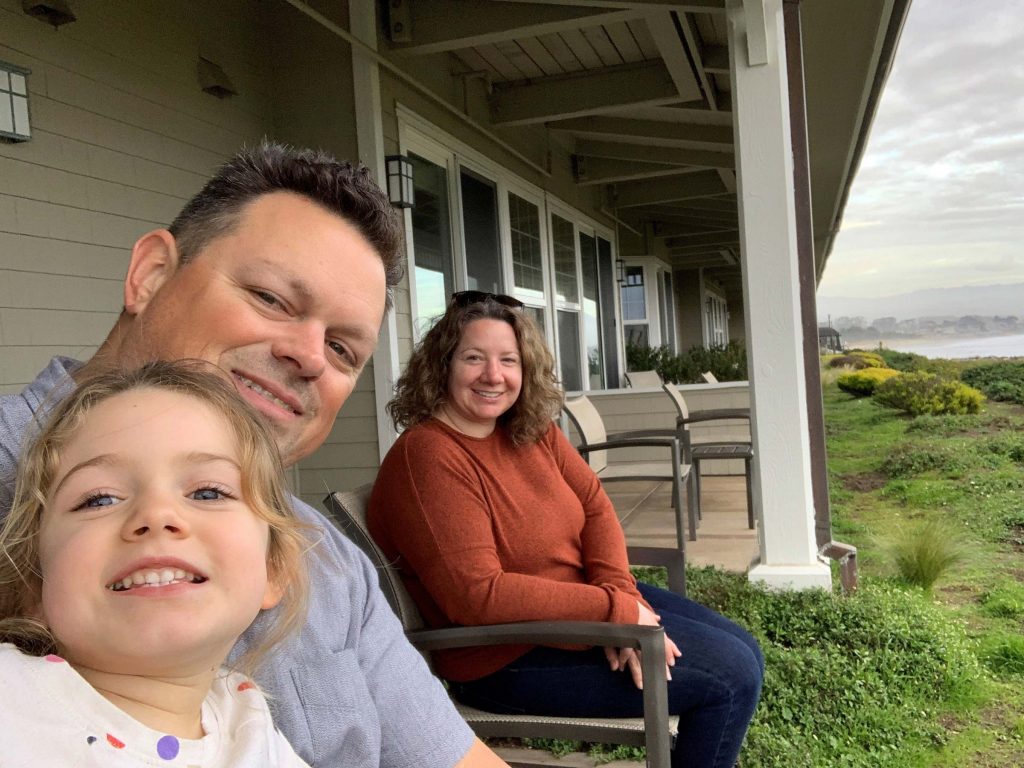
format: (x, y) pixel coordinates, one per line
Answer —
(420, 136)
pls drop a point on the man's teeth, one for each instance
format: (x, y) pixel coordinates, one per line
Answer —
(155, 577)
(268, 395)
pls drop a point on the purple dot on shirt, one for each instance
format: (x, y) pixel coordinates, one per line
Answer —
(168, 747)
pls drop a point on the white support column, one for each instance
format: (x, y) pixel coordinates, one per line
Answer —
(783, 495)
(370, 139)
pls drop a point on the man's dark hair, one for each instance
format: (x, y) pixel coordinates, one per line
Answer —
(349, 192)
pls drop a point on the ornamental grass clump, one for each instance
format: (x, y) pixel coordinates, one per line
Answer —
(864, 382)
(925, 553)
(924, 393)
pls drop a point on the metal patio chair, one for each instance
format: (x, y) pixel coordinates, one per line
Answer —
(596, 442)
(655, 730)
(695, 452)
(643, 379)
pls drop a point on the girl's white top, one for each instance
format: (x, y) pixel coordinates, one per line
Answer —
(52, 716)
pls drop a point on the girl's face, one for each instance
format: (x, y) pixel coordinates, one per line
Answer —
(152, 563)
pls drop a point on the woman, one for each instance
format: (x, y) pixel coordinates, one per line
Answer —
(492, 517)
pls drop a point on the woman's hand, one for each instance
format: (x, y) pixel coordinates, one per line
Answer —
(621, 659)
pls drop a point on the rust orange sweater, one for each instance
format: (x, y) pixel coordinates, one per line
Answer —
(484, 532)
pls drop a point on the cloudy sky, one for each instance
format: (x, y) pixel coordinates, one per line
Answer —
(939, 198)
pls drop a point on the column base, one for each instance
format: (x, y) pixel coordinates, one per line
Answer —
(792, 577)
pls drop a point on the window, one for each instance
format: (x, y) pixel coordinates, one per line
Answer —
(634, 308)
(527, 260)
(14, 103)
(717, 310)
(592, 338)
(481, 235)
(668, 310)
(434, 274)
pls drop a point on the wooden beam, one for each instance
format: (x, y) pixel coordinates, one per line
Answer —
(662, 27)
(708, 204)
(716, 59)
(725, 237)
(582, 94)
(589, 171)
(447, 25)
(633, 193)
(689, 30)
(691, 227)
(690, 6)
(617, 150)
(650, 132)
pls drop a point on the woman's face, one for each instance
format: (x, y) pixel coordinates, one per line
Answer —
(486, 376)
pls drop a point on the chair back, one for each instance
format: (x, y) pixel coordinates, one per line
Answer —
(348, 510)
(709, 377)
(643, 379)
(590, 425)
(677, 400)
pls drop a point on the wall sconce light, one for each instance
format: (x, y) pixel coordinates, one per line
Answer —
(14, 124)
(620, 271)
(214, 81)
(400, 189)
(55, 12)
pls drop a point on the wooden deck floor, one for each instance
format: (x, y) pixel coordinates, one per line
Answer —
(723, 539)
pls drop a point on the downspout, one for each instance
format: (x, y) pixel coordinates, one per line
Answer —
(808, 301)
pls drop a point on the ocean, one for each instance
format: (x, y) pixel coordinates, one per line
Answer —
(959, 347)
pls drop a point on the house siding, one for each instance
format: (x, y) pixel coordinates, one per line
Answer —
(123, 136)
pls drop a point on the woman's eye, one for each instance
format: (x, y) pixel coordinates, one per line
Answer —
(98, 500)
(209, 493)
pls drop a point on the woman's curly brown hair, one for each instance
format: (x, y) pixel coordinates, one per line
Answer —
(423, 388)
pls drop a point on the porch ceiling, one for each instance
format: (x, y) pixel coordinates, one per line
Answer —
(641, 90)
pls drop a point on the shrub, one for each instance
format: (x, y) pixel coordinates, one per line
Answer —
(728, 363)
(920, 393)
(864, 382)
(853, 361)
(999, 381)
(923, 554)
(903, 361)
(907, 460)
(1005, 655)
(873, 359)
(1005, 601)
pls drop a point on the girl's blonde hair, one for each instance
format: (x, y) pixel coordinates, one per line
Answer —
(263, 489)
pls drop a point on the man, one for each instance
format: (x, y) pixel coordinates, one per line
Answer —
(279, 272)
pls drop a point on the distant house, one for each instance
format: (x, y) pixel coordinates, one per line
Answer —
(829, 340)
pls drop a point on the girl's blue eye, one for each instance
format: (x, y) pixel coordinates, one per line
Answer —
(209, 493)
(99, 500)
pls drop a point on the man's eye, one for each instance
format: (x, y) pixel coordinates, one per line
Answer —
(266, 297)
(210, 493)
(98, 500)
(342, 351)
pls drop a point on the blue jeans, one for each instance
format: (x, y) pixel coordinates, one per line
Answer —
(714, 688)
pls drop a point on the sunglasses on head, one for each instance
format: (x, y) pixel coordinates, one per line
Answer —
(465, 298)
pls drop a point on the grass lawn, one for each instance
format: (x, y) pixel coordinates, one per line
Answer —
(890, 474)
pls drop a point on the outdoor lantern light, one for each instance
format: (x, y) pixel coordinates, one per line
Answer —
(55, 12)
(14, 103)
(400, 190)
(620, 271)
(213, 80)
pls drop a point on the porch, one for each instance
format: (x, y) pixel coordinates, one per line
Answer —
(723, 541)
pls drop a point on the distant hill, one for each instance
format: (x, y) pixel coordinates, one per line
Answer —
(985, 300)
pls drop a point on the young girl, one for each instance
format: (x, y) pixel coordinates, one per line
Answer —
(150, 527)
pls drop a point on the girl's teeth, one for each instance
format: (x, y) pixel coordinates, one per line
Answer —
(154, 578)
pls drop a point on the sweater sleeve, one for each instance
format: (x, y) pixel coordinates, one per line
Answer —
(433, 508)
(603, 541)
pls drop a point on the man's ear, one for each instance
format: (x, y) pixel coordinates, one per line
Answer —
(154, 260)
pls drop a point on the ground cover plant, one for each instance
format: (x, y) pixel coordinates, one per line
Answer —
(999, 381)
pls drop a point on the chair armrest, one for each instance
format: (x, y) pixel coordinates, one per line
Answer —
(672, 560)
(634, 434)
(611, 444)
(716, 414)
(542, 632)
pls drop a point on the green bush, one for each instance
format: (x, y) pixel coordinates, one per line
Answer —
(923, 554)
(857, 678)
(728, 363)
(864, 382)
(920, 393)
(1005, 655)
(999, 381)
(903, 361)
(851, 360)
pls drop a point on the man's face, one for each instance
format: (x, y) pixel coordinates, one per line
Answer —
(289, 304)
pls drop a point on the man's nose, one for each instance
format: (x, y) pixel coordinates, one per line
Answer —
(302, 345)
